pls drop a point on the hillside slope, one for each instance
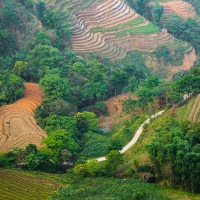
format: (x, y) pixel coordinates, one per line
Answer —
(111, 29)
(181, 8)
(17, 124)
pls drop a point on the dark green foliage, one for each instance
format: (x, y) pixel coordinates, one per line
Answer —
(11, 87)
(142, 7)
(6, 160)
(100, 107)
(9, 15)
(42, 58)
(41, 8)
(164, 55)
(187, 31)
(133, 71)
(7, 42)
(29, 4)
(175, 153)
(157, 13)
(112, 188)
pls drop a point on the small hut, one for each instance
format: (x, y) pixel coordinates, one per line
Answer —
(164, 30)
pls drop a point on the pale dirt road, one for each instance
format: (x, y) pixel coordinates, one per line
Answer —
(136, 136)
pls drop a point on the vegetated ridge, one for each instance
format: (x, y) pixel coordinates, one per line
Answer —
(17, 124)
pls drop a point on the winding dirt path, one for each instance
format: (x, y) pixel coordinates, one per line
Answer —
(136, 136)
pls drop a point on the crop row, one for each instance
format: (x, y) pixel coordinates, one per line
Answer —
(195, 112)
(20, 187)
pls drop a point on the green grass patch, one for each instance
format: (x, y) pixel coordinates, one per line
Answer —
(139, 20)
(149, 29)
(183, 112)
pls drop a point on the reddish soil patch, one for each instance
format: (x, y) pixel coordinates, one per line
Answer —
(114, 106)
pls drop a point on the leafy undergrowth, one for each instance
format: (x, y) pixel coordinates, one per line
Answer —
(99, 144)
(118, 189)
(137, 154)
(20, 186)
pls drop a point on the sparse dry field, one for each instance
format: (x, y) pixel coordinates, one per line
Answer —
(17, 124)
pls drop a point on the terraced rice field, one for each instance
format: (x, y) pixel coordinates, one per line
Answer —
(17, 124)
(195, 111)
(16, 186)
(190, 111)
(181, 8)
(110, 28)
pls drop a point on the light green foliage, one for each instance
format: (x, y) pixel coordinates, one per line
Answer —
(114, 159)
(55, 122)
(20, 68)
(59, 140)
(81, 170)
(42, 39)
(138, 21)
(54, 87)
(91, 119)
(149, 29)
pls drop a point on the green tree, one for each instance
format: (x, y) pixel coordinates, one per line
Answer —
(114, 159)
(54, 87)
(59, 140)
(157, 13)
(9, 15)
(42, 58)
(12, 87)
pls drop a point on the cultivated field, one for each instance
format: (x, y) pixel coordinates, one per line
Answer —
(17, 186)
(181, 8)
(17, 124)
(190, 111)
(110, 28)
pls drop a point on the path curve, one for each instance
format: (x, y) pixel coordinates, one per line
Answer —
(136, 136)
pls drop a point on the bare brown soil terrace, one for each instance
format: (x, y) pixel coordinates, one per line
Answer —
(17, 124)
(181, 8)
